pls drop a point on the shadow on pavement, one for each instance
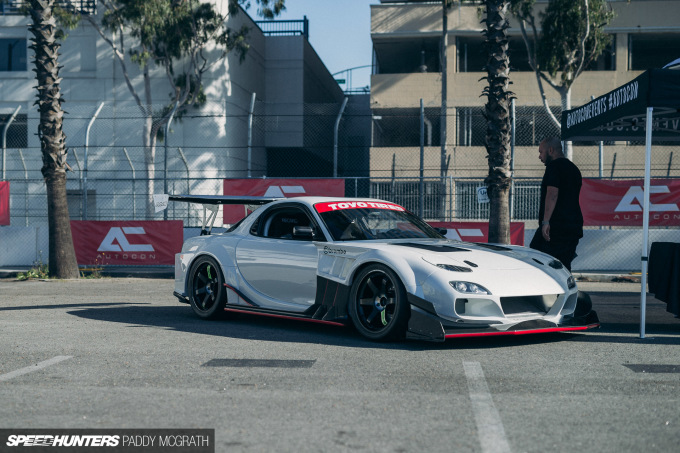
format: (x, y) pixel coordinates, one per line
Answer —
(250, 327)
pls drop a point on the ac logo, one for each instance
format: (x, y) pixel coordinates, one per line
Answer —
(456, 233)
(633, 200)
(117, 234)
(280, 191)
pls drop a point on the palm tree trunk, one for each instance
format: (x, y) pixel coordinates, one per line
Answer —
(497, 113)
(62, 261)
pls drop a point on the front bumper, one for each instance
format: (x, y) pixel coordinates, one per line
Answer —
(425, 325)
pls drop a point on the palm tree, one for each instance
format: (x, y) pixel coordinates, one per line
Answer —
(497, 114)
(62, 262)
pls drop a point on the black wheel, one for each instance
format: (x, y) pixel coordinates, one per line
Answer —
(206, 288)
(378, 305)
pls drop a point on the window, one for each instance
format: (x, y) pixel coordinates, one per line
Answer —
(652, 50)
(407, 56)
(13, 54)
(17, 133)
(472, 55)
(282, 223)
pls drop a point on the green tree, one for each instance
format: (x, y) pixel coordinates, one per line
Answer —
(184, 38)
(62, 260)
(497, 114)
(572, 37)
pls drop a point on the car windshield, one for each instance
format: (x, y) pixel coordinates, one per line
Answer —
(366, 220)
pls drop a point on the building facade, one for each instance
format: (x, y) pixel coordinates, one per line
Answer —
(269, 115)
(407, 36)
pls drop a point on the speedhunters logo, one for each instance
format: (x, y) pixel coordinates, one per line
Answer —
(46, 440)
(137, 440)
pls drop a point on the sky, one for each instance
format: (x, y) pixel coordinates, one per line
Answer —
(340, 32)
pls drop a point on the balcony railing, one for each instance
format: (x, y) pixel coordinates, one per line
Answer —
(16, 7)
(284, 27)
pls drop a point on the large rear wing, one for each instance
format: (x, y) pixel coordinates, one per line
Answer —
(210, 204)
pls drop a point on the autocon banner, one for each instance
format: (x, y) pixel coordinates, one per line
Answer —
(283, 188)
(132, 243)
(620, 203)
(478, 231)
(4, 202)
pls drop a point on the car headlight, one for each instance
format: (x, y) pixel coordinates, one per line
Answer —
(470, 288)
(571, 283)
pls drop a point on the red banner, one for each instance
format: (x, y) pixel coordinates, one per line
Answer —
(620, 203)
(278, 188)
(133, 243)
(478, 231)
(4, 202)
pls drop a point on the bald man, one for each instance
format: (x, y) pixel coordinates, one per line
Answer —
(560, 218)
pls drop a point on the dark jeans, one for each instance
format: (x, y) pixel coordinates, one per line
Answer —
(564, 249)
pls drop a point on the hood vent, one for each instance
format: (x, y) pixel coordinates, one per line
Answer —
(433, 248)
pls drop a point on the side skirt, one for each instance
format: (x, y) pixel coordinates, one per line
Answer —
(330, 305)
(278, 314)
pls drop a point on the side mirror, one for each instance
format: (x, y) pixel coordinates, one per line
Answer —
(303, 232)
(441, 230)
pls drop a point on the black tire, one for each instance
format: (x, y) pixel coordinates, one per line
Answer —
(207, 294)
(378, 305)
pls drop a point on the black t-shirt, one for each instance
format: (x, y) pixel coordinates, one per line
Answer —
(567, 219)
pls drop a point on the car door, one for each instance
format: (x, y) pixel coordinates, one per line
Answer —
(277, 264)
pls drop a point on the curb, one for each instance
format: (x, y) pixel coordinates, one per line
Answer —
(606, 278)
(113, 272)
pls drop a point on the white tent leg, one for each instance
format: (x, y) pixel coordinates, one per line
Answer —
(645, 222)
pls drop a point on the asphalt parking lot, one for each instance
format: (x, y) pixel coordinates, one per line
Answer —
(123, 353)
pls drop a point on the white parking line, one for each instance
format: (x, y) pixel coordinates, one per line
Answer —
(36, 367)
(489, 425)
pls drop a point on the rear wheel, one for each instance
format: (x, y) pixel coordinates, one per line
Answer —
(207, 294)
(378, 304)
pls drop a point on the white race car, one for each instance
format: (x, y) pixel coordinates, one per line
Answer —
(375, 265)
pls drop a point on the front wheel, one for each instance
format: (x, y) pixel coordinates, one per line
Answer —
(378, 305)
(206, 288)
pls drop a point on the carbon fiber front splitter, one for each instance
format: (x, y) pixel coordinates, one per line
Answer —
(424, 325)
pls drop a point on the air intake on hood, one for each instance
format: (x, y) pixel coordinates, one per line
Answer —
(433, 248)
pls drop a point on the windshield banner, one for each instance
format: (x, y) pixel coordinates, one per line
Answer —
(281, 188)
(4, 202)
(130, 243)
(478, 231)
(620, 202)
(340, 205)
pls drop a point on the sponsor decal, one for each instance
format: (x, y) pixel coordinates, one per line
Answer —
(160, 202)
(478, 231)
(331, 251)
(621, 202)
(277, 188)
(127, 242)
(4, 202)
(339, 205)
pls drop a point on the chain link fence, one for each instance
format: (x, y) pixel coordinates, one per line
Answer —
(117, 163)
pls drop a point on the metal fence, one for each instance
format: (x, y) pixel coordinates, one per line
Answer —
(376, 151)
(125, 198)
